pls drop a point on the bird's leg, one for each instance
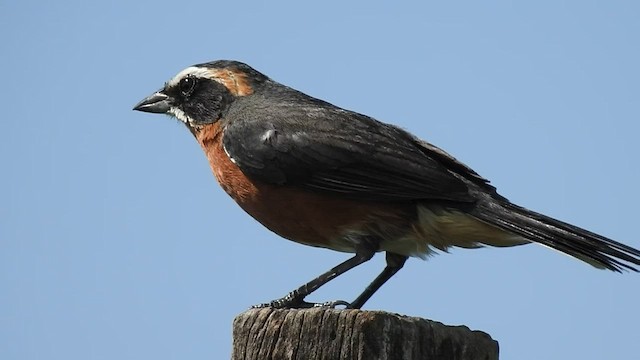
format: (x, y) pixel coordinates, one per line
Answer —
(395, 262)
(295, 299)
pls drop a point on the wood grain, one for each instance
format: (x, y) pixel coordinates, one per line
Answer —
(333, 334)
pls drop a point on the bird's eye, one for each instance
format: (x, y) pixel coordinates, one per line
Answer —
(187, 85)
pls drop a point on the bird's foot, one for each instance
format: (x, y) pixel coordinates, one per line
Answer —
(293, 300)
(334, 304)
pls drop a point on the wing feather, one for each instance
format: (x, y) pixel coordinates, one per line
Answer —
(332, 150)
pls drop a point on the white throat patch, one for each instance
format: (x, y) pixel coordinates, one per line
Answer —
(180, 115)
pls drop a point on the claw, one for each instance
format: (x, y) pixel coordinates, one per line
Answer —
(284, 304)
(260, 306)
(291, 301)
(333, 304)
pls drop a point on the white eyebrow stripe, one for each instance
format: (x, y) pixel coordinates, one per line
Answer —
(196, 72)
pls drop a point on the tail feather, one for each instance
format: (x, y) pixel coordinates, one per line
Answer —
(587, 246)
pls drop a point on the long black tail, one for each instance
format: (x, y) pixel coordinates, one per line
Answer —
(592, 248)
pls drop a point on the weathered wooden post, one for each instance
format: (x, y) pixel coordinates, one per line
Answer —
(335, 334)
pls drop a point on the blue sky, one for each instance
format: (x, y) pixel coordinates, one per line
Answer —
(116, 242)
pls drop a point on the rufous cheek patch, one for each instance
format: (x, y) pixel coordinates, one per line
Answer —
(235, 81)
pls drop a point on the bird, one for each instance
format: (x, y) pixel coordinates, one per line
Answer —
(328, 177)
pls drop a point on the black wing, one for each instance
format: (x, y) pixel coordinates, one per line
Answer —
(328, 149)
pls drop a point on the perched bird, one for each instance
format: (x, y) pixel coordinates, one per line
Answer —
(328, 177)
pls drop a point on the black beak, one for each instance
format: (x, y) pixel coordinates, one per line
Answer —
(157, 103)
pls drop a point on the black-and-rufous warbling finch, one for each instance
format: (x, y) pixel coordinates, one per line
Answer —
(328, 177)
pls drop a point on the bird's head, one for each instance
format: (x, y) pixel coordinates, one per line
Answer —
(201, 94)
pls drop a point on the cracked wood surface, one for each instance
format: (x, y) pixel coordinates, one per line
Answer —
(334, 334)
